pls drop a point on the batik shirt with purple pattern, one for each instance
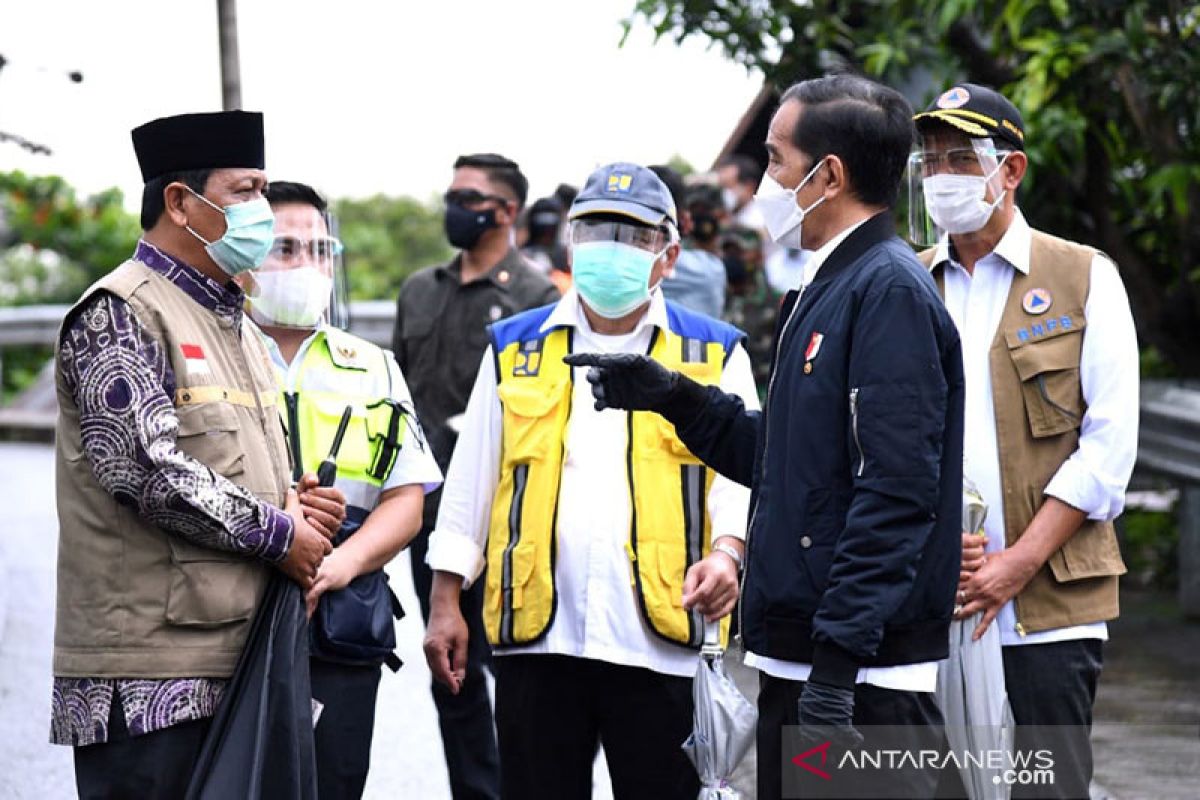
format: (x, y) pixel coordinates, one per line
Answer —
(128, 429)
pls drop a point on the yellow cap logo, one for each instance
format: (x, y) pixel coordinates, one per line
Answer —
(619, 183)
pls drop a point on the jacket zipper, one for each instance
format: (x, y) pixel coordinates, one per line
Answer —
(862, 457)
(741, 606)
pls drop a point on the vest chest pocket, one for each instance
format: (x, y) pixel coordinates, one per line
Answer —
(530, 429)
(1049, 373)
(208, 433)
(357, 452)
(657, 439)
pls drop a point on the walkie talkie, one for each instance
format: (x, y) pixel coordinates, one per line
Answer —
(327, 472)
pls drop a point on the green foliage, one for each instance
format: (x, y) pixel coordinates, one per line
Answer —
(387, 239)
(1110, 92)
(21, 366)
(1150, 547)
(62, 243)
(681, 165)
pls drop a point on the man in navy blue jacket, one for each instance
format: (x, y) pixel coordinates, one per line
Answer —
(856, 460)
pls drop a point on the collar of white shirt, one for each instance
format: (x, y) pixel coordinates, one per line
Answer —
(569, 313)
(1014, 246)
(824, 251)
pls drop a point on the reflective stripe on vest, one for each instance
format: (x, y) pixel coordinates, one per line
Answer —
(665, 538)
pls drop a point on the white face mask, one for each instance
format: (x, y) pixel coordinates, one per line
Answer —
(291, 298)
(957, 203)
(781, 215)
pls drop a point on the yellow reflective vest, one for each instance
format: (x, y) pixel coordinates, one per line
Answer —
(337, 370)
(669, 527)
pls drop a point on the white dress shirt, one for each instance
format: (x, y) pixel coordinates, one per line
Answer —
(1094, 477)
(920, 677)
(597, 615)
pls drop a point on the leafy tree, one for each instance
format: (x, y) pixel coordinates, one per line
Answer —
(1110, 92)
(387, 239)
(63, 243)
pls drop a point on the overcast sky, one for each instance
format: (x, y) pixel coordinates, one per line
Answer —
(363, 97)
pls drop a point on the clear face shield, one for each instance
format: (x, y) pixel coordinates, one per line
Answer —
(302, 282)
(963, 193)
(653, 240)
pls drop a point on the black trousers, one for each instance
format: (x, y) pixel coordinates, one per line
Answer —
(553, 712)
(465, 719)
(1054, 685)
(344, 730)
(778, 705)
(151, 766)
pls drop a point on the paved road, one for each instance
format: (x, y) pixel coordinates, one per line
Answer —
(406, 756)
(1152, 676)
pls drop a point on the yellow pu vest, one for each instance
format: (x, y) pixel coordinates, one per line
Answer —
(669, 527)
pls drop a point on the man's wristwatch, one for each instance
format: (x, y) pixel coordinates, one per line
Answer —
(731, 552)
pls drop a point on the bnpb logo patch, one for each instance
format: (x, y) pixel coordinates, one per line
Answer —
(954, 98)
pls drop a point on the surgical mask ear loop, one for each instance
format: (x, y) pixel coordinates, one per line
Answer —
(211, 205)
(988, 179)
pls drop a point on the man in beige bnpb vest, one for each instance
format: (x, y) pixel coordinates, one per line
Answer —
(172, 472)
(1051, 364)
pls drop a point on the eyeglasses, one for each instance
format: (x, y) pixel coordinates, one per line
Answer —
(958, 161)
(470, 197)
(291, 248)
(640, 236)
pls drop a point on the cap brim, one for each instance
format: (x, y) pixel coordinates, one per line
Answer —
(950, 118)
(624, 208)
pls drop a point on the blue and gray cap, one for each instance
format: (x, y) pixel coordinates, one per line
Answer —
(627, 190)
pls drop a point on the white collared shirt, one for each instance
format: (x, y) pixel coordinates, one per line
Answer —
(597, 615)
(920, 677)
(1094, 477)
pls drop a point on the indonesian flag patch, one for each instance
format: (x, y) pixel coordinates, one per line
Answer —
(193, 357)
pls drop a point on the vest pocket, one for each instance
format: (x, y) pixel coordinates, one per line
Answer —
(208, 433)
(1049, 373)
(528, 435)
(1092, 552)
(657, 437)
(209, 588)
(356, 453)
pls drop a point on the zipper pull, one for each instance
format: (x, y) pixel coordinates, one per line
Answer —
(1020, 629)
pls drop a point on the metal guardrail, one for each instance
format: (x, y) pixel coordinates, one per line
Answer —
(1169, 431)
(38, 325)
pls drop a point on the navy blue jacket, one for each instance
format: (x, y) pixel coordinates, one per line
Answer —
(854, 546)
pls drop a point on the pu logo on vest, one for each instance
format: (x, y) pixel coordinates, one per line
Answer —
(529, 359)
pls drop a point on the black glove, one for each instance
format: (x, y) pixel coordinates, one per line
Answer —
(629, 380)
(827, 714)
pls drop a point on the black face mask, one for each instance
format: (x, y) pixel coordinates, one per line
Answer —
(704, 227)
(464, 227)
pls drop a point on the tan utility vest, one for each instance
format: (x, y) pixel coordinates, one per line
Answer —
(1039, 406)
(133, 600)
